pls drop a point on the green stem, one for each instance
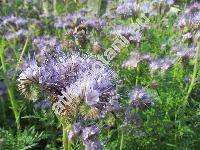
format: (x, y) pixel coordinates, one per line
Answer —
(137, 76)
(100, 7)
(66, 142)
(9, 87)
(45, 6)
(65, 138)
(195, 70)
(55, 7)
(121, 142)
(20, 59)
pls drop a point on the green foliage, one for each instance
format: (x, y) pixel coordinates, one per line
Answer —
(28, 139)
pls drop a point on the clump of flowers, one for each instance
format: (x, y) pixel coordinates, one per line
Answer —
(13, 21)
(77, 17)
(135, 58)
(45, 44)
(128, 31)
(190, 17)
(93, 23)
(70, 21)
(14, 28)
(81, 80)
(63, 22)
(28, 77)
(140, 98)
(185, 53)
(153, 8)
(188, 23)
(127, 8)
(20, 34)
(78, 83)
(162, 64)
(88, 134)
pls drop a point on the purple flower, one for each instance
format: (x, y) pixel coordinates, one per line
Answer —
(140, 98)
(161, 64)
(135, 58)
(127, 8)
(166, 63)
(146, 7)
(95, 23)
(130, 32)
(93, 145)
(44, 45)
(76, 17)
(18, 34)
(77, 79)
(14, 20)
(28, 77)
(152, 8)
(183, 52)
(190, 17)
(63, 22)
(41, 42)
(122, 30)
(90, 133)
(75, 130)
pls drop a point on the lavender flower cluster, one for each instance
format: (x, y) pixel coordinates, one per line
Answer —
(189, 22)
(14, 27)
(88, 134)
(180, 52)
(127, 8)
(75, 19)
(127, 31)
(135, 58)
(14, 21)
(45, 44)
(190, 17)
(155, 7)
(140, 98)
(18, 34)
(81, 78)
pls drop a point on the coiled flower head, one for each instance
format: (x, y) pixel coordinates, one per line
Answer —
(72, 81)
(27, 79)
(190, 17)
(88, 134)
(140, 98)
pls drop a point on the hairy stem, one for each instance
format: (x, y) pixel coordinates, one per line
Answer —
(195, 70)
(20, 59)
(55, 7)
(121, 142)
(66, 142)
(137, 76)
(9, 87)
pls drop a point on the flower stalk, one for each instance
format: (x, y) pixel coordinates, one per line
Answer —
(9, 87)
(66, 142)
(195, 71)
